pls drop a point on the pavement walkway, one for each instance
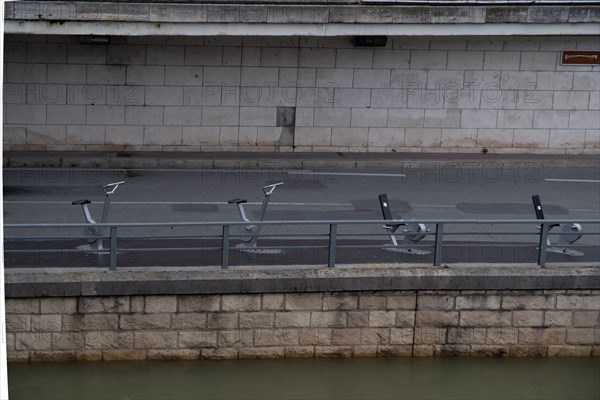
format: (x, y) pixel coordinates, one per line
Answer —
(245, 160)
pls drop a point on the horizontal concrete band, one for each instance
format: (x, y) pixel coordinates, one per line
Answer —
(320, 29)
(329, 162)
(67, 282)
(62, 11)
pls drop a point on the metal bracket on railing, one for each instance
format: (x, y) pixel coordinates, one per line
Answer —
(413, 231)
(253, 230)
(570, 233)
(93, 233)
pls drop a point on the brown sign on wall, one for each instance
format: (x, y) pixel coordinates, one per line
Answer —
(580, 57)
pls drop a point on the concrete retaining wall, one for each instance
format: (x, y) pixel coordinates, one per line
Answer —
(303, 313)
(505, 94)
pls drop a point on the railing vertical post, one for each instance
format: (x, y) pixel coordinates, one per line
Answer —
(113, 248)
(439, 237)
(543, 244)
(225, 248)
(332, 242)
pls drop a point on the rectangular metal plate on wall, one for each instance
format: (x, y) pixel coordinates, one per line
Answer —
(580, 57)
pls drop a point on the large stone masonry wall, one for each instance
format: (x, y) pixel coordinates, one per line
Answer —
(497, 323)
(509, 95)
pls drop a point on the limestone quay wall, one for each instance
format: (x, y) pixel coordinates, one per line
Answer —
(508, 95)
(299, 318)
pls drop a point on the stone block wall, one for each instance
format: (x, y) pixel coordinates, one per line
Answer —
(506, 94)
(494, 323)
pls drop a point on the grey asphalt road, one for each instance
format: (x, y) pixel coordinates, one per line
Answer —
(444, 191)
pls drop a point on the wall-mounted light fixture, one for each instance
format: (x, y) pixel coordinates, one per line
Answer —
(94, 39)
(370, 41)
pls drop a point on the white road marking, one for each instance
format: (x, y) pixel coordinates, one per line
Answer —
(290, 171)
(573, 180)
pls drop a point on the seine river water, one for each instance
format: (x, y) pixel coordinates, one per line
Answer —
(403, 378)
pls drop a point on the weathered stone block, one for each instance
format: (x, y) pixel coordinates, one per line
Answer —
(18, 323)
(436, 318)
(382, 318)
(68, 341)
(583, 336)
(333, 351)
(574, 302)
(372, 302)
(277, 337)
(292, 319)
(375, 336)
(188, 321)
(106, 74)
(489, 351)
(199, 303)
(586, 318)
(155, 340)
(357, 319)
(261, 353)
(340, 301)
(256, 319)
(105, 115)
(241, 302)
(433, 302)
(527, 351)
(197, 339)
(46, 323)
(367, 351)
(478, 302)
(303, 301)
(315, 336)
(328, 319)
(222, 321)
(173, 355)
(369, 117)
(429, 335)
(348, 336)
(108, 340)
(395, 351)
(164, 55)
(144, 321)
(145, 75)
(53, 356)
(423, 350)
(33, 341)
(353, 137)
(401, 302)
(569, 351)
(124, 355)
(485, 318)
(222, 353)
(299, 352)
(467, 335)
(558, 318)
(452, 350)
(528, 318)
(273, 302)
(401, 335)
(161, 304)
(22, 306)
(89, 356)
(528, 302)
(502, 336)
(235, 338)
(542, 336)
(90, 322)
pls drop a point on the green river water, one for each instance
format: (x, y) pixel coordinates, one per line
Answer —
(403, 378)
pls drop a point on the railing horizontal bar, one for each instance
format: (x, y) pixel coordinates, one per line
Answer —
(303, 222)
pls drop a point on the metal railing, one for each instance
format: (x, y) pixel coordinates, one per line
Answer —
(331, 233)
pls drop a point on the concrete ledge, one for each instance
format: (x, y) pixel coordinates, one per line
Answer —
(22, 283)
(239, 160)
